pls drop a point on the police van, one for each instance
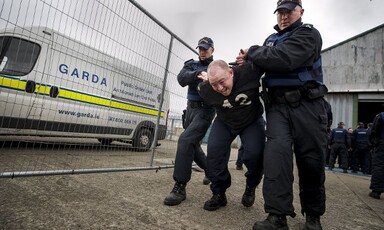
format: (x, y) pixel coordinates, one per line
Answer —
(53, 85)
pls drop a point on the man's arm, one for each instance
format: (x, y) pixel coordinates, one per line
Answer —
(296, 51)
(188, 74)
(250, 69)
(375, 130)
(331, 137)
(205, 90)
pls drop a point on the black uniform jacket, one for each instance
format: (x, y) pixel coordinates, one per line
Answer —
(300, 49)
(188, 76)
(242, 106)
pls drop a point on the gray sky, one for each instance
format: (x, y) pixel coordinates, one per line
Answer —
(239, 24)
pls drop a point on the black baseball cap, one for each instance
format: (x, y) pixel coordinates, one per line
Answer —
(205, 43)
(288, 4)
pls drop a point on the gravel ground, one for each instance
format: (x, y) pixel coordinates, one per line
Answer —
(134, 200)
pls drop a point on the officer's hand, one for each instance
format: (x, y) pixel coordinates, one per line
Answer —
(240, 59)
(203, 76)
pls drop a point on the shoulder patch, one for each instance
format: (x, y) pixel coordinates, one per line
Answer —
(190, 60)
(310, 26)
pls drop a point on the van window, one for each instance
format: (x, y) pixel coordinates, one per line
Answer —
(17, 55)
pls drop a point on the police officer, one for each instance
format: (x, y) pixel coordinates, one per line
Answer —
(370, 146)
(340, 142)
(377, 136)
(296, 117)
(360, 155)
(234, 93)
(198, 118)
(350, 150)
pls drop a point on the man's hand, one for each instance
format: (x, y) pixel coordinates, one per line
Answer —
(203, 76)
(240, 59)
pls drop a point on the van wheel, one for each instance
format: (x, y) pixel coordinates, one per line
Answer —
(105, 141)
(143, 140)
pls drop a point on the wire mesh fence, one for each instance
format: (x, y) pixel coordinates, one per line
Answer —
(87, 86)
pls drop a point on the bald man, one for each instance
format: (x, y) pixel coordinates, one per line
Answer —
(234, 93)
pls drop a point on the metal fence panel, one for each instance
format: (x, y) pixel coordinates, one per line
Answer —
(87, 79)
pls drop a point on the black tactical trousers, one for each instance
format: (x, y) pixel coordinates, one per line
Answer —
(339, 149)
(303, 131)
(377, 179)
(360, 157)
(197, 122)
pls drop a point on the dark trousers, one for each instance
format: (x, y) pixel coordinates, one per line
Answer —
(377, 179)
(303, 131)
(327, 155)
(219, 149)
(369, 160)
(341, 151)
(197, 122)
(360, 157)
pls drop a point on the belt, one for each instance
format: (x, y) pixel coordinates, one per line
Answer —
(282, 96)
(196, 104)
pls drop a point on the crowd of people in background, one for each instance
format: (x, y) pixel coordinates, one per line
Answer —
(350, 149)
(359, 150)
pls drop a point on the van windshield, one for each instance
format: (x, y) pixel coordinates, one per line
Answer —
(17, 56)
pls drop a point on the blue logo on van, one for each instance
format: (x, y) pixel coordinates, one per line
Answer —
(84, 75)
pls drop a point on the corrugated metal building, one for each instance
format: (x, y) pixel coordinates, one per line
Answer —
(353, 73)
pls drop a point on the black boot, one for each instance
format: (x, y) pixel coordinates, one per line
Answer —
(248, 196)
(177, 195)
(312, 223)
(215, 202)
(375, 194)
(273, 222)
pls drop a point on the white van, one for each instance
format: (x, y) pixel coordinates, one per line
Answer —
(52, 85)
